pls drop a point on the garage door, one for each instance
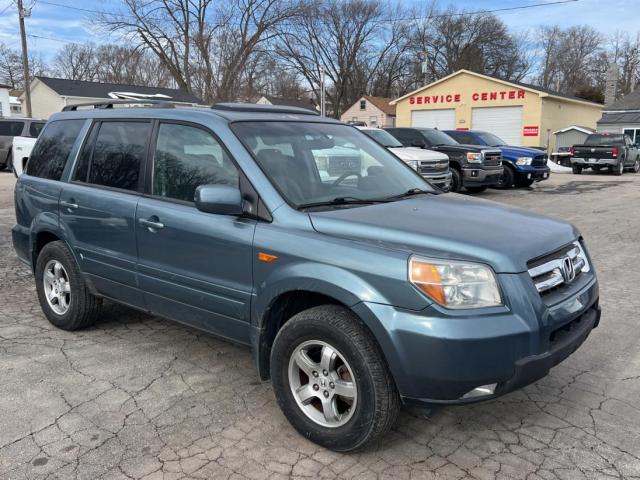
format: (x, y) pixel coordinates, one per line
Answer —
(442, 119)
(505, 122)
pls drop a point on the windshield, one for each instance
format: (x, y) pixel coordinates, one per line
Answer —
(604, 139)
(383, 138)
(312, 163)
(491, 140)
(437, 137)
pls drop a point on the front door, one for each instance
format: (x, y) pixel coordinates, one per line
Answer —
(97, 209)
(194, 267)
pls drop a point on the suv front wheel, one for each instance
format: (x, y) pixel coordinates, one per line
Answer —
(63, 295)
(331, 380)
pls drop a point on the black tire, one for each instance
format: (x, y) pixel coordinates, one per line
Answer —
(577, 169)
(456, 180)
(618, 169)
(476, 189)
(524, 182)
(378, 402)
(8, 163)
(84, 308)
(596, 169)
(507, 178)
(636, 166)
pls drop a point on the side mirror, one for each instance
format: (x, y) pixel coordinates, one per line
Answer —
(418, 143)
(219, 199)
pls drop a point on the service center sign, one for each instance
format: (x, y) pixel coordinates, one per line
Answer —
(475, 97)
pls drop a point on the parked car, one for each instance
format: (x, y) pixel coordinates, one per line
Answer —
(472, 167)
(616, 152)
(354, 297)
(20, 151)
(522, 165)
(15, 127)
(432, 165)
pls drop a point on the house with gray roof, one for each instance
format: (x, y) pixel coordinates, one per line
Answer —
(50, 95)
(622, 116)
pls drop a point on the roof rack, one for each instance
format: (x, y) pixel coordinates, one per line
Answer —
(110, 103)
(256, 108)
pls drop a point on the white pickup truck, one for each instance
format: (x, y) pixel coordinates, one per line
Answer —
(21, 149)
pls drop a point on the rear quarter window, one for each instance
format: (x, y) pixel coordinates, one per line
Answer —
(52, 150)
(35, 128)
(11, 129)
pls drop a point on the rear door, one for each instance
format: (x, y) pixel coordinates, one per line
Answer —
(98, 206)
(194, 267)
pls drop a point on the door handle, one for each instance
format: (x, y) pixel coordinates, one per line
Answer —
(70, 204)
(152, 224)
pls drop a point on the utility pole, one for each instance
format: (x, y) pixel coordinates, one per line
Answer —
(323, 107)
(22, 13)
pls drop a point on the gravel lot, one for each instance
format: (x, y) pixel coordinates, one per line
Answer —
(140, 397)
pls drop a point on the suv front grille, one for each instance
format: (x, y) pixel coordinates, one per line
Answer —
(492, 158)
(559, 268)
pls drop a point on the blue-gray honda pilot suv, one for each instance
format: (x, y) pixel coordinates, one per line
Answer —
(357, 284)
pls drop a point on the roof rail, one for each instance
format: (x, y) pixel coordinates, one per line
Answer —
(110, 103)
(256, 108)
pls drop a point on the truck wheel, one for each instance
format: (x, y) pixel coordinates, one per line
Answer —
(476, 189)
(618, 169)
(636, 166)
(507, 178)
(331, 380)
(63, 295)
(524, 182)
(456, 180)
(577, 169)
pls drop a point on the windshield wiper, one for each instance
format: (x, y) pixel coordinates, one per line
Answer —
(342, 201)
(410, 193)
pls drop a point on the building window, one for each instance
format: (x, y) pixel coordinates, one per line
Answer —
(16, 109)
(373, 121)
(363, 104)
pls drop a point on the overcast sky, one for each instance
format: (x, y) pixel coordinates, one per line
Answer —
(61, 25)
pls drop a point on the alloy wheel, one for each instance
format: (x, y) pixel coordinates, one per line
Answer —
(57, 288)
(322, 383)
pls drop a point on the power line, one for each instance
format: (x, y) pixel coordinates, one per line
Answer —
(428, 17)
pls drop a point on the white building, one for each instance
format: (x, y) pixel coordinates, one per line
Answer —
(5, 101)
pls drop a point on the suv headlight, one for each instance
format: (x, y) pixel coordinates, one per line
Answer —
(474, 157)
(524, 161)
(455, 284)
(414, 164)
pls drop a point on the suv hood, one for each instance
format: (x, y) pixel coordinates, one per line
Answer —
(451, 226)
(513, 153)
(414, 153)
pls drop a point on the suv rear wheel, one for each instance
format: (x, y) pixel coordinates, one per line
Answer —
(63, 295)
(331, 380)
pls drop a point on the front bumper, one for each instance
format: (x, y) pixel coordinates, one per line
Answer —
(438, 357)
(477, 177)
(535, 173)
(595, 162)
(440, 179)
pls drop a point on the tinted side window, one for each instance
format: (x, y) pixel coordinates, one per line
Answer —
(11, 129)
(405, 136)
(118, 154)
(463, 137)
(82, 167)
(187, 157)
(49, 156)
(35, 128)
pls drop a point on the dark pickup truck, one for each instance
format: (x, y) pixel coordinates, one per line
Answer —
(472, 167)
(602, 150)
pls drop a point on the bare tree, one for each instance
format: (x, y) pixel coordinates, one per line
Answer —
(205, 49)
(11, 72)
(345, 38)
(77, 61)
(450, 40)
(570, 59)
